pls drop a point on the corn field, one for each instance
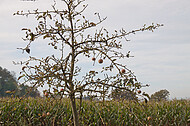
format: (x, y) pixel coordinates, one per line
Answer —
(55, 112)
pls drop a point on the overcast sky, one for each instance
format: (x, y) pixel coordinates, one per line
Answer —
(162, 58)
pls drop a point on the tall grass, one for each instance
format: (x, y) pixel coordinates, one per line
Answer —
(46, 112)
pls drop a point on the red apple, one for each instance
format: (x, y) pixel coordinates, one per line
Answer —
(93, 59)
(149, 118)
(43, 115)
(46, 94)
(48, 114)
(139, 91)
(100, 61)
(123, 71)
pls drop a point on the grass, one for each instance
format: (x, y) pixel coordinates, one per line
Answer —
(46, 111)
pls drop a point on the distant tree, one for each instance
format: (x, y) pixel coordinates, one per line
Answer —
(9, 85)
(160, 95)
(67, 31)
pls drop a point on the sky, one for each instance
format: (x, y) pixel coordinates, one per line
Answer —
(161, 58)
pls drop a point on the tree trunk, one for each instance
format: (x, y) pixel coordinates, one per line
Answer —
(80, 102)
(74, 110)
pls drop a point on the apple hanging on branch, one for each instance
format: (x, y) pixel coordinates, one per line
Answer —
(100, 61)
(123, 71)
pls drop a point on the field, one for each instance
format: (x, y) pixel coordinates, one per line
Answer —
(51, 112)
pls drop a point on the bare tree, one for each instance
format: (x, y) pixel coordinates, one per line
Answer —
(67, 31)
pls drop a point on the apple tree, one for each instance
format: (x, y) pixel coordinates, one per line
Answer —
(67, 32)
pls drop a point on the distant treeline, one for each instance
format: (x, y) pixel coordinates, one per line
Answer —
(9, 86)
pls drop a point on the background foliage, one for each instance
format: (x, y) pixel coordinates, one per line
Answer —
(160, 95)
(9, 86)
